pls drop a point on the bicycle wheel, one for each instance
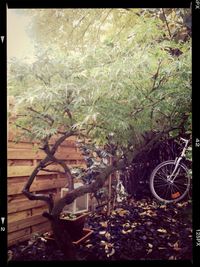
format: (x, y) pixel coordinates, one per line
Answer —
(167, 191)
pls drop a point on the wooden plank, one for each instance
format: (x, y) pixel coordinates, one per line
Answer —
(39, 210)
(17, 171)
(16, 180)
(64, 149)
(18, 234)
(20, 145)
(18, 239)
(69, 143)
(69, 153)
(30, 154)
(41, 228)
(17, 216)
(25, 154)
(14, 188)
(20, 162)
(24, 223)
(16, 206)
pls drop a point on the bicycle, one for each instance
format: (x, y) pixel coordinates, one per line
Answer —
(170, 180)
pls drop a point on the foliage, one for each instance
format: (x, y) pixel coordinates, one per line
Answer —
(71, 29)
(123, 86)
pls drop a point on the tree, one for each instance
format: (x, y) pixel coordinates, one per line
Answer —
(113, 93)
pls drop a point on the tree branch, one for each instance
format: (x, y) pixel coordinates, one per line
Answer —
(155, 77)
(108, 13)
(42, 116)
(33, 196)
(166, 23)
(64, 166)
(23, 128)
(42, 164)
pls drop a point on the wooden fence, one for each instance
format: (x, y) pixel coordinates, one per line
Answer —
(24, 216)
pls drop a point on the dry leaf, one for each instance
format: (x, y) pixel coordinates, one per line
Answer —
(102, 232)
(104, 224)
(89, 246)
(150, 245)
(176, 246)
(111, 253)
(163, 206)
(149, 251)
(103, 243)
(143, 213)
(126, 231)
(161, 230)
(108, 235)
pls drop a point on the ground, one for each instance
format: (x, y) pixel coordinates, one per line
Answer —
(138, 230)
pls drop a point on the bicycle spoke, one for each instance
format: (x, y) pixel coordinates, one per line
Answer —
(179, 186)
(167, 191)
(161, 176)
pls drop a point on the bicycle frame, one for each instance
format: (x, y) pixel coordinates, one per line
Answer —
(177, 161)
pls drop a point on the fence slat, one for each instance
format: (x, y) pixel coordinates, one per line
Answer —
(17, 206)
(16, 188)
(21, 224)
(19, 215)
(70, 153)
(15, 236)
(42, 227)
(17, 171)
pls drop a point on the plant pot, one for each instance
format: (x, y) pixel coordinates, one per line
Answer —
(85, 235)
(74, 226)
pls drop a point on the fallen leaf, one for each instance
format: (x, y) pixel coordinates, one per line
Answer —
(176, 246)
(111, 253)
(108, 235)
(149, 251)
(161, 230)
(126, 225)
(150, 245)
(102, 232)
(89, 246)
(103, 243)
(104, 224)
(143, 213)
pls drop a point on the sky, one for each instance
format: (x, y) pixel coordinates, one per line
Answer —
(19, 44)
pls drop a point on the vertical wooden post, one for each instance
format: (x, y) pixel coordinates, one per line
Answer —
(109, 191)
(35, 160)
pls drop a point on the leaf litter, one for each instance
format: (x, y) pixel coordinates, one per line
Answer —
(136, 230)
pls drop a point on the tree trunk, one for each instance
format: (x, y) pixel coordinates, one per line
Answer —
(63, 239)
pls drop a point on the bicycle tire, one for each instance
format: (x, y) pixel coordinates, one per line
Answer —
(175, 197)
